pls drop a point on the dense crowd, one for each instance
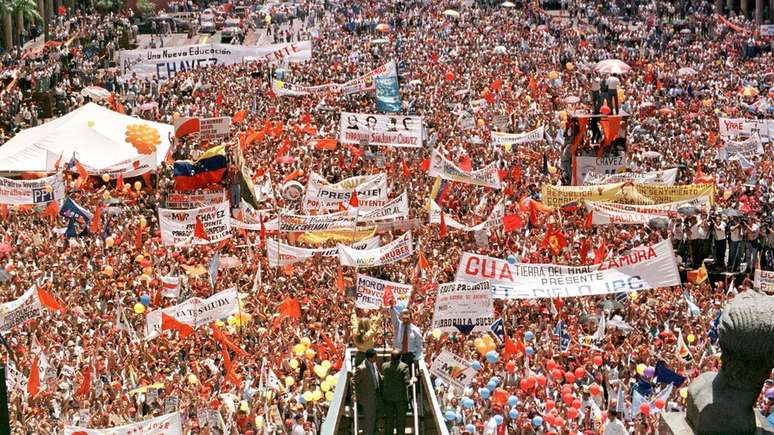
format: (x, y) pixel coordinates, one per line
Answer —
(445, 63)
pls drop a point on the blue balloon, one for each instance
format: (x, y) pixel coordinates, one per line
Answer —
(512, 259)
(537, 420)
(513, 401)
(530, 351)
(145, 300)
(467, 402)
(494, 379)
(475, 365)
(491, 386)
(492, 356)
(529, 336)
(470, 428)
(498, 419)
(459, 417)
(450, 415)
(513, 414)
(484, 393)
(400, 306)
(301, 399)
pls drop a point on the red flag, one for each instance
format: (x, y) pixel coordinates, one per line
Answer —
(169, 323)
(51, 211)
(288, 308)
(199, 232)
(353, 201)
(146, 177)
(33, 382)
(48, 301)
(497, 85)
(58, 162)
(405, 168)
(466, 164)
(85, 387)
(83, 175)
(442, 230)
(340, 280)
(138, 238)
(96, 223)
(587, 222)
(120, 182)
(425, 165)
(516, 174)
(231, 375)
(239, 117)
(512, 348)
(4, 211)
(512, 222)
(533, 87)
(601, 253)
(554, 240)
(584, 250)
(225, 341)
(388, 299)
(325, 144)
(219, 99)
(712, 138)
(157, 297)
(423, 264)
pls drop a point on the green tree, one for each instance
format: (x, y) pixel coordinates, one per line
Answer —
(109, 5)
(24, 10)
(6, 9)
(146, 7)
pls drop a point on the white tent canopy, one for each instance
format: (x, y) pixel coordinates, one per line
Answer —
(93, 134)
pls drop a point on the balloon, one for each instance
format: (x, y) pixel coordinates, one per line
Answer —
(310, 353)
(691, 338)
(299, 349)
(289, 381)
(550, 419)
(510, 366)
(576, 404)
(511, 259)
(498, 419)
(231, 320)
(293, 363)
(105, 178)
(553, 75)
(145, 299)
(649, 372)
(569, 377)
(641, 369)
(595, 390)
(308, 396)
(482, 348)
(492, 357)
(107, 270)
(139, 308)
(137, 186)
(494, 379)
(325, 386)
(437, 333)
(580, 372)
(633, 296)
(467, 402)
(605, 109)
(572, 413)
(557, 374)
(550, 405)
(513, 401)
(484, 393)
(660, 403)
(537, 421)
(529, 336)
(645, 409)
(491, 386)
(598, 360)
(329, 395)
(143, 222)
(513, 414)
(90, 123)
(558, 421)
(400, 306)
(523, 385)
(567, 399)
(470, 428)
(478, 342)
(529, 350)
(476, 365)
(449, 76)
(306, 341)
(541, 380)
(550, 365)
(491, 346)
(192, 379)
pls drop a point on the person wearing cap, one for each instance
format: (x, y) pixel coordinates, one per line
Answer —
(368, 383)
(395, 382)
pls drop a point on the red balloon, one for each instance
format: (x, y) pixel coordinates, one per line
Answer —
(550, 405)
(569, 377)
(576, 404)
(567, 399)
(510, 366)
(580, 372)
(541, 380)
(450, 78)
(595, 390)
(550, 365)
(557, 374)
(598, 361)
(567, 388)
(645, 409)
(531, 382)
(660, 403)
(572, 413)
(558, 422)
(523, 384)
(549, 418)
(605, 109)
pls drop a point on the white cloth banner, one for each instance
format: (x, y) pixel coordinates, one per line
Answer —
(359, 84)
(300, 51)
(128, 168)
(453, 370)
(440, 166)
(40, 191)
(372, 191)
(280, 254)
(164, 63)
(732, 127)
(371, 291)
(396, 250)
(608, 165)
(15, 379)
(396, 208)
(170, 286)
(666, 177)
(18, 311)
(643, 268)
(501, 139)
(214, 128)
(294, 223)
(178, 200)
(168, 424)
(494, 220)
(749, 148)
(764, 280)
(386, 130)
(605, 213)
(177, 226)
(195, 311)
(463, 304)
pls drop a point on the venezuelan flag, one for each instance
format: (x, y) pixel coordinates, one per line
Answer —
(209, 168)
(438, 190)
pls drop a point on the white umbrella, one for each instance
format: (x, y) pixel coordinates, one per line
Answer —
(500, 49)
(651, 154)
(380, 41)
(612, 66)
(572, 99)
(95, 92)
(508, 5)
(451, 13)
(686, 71)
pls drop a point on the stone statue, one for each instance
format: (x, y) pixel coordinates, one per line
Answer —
(722, 402)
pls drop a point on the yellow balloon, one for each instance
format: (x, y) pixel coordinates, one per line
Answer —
(106, 195)
(137, 186)
(306, 341)
(289, 381)
(310, 353)
(326, 364)
(320, 371)
(317, 395)
(640, 369)
(691, 338)
(293, 363)
(143, 222)
(219, 323)
(478, 342)
(109, 242)
(105, 178)
(139, 308)
(325, 386)
(299, 349)
(231, 320)
(147, 270)
(90, 124)
(329, 396)
(437, 333)
(308, 396)
(107, 270)
(330, 379)
(553, 75)
(633, 296)
(684, 392)
(139, 258)
(491, 347)
(192, 379)
(487, 339)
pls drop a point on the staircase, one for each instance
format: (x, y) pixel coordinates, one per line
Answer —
(343, 418)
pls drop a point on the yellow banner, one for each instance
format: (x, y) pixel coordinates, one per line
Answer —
(344, 236)
(626, 193)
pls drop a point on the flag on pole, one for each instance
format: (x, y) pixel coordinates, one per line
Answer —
(272, 381)
(171, 286)
(681, 349)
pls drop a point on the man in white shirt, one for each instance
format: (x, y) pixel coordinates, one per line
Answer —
(752, 231)
(698, 233)
(734, 245)
(614, 426)
(612, 91)
(718, 226)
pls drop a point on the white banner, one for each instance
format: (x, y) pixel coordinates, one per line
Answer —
(178, 200)
(168, 424)
(195, 311)
(371, 190)
(214, 128)
(128, 168)
(371, 291)
(396, 208)
(764, 281)
(605, 213)
(163, 63)
(281, 254)
(463, 304)
(666, 177)
(386, 130)
(643, 268)
(453, 370)
(170, 286)
(300, 51)
(177, 226)
(15, 379)
(440, 166)
(295, 223)
(732, 127)
(749, 148)
(18, 311)
(396, 250)
(608, 165)
(501, 139)
(40, 191)
(359, 84)
(494, 220)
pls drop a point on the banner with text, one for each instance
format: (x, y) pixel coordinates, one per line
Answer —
(626, 193)
(748, 148)
(193, 200)
(371, 292)
(177, 226)
(371, 190)
(494, 220)
(666, 177)
(295, 223)
(585, 165)
(503, 139)
(396, 208)
(453, 370)
(359, 84)
(732, 127)
(386, 130)
(396, 250)
(460, 305)
(195, 311)
(25, 192)
(764, 281)
(214, 128)
(604, 213)
(168, 424)
(18, 311)
(281, 254)
(440, 166)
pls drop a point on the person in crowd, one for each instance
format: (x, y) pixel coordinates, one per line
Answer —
(408, 337)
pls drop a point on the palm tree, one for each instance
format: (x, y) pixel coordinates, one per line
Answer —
(24, 9)
(6, 9)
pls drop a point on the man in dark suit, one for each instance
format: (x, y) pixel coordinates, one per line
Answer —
(396, 379)
(368, 391)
